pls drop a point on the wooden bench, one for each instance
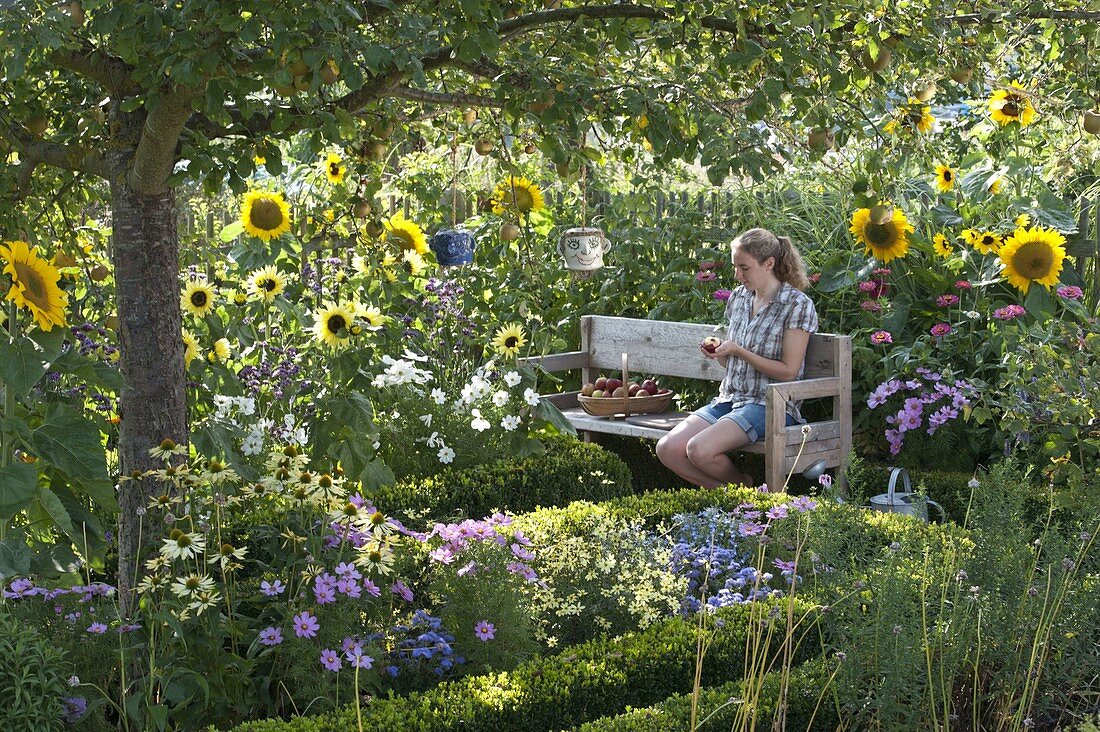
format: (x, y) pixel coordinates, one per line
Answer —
(671, 349)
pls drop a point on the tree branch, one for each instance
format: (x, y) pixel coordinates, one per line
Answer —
(112, 73)
(34, 152)
(451, 100)
(155, 155)
(561, 15)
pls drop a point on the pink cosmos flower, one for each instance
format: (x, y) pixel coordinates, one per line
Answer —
(881, 337)
(306, 625)
(485, 631)
(330, 659)
(399, 588)
(271, 636)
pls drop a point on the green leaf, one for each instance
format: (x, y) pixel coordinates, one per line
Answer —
(21, 364)
(15, 557)
(376, 474)
(69, 441)
(232, 231)
(548, 412)
(53, 507)
(17, 485)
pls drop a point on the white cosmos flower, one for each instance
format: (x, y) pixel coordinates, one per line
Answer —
(531, 397)
(446, 455)
(479, 423)
(500, 398)
(510, 422)
(426, 419)
(434, 440)
(439, 396)
(512, 378)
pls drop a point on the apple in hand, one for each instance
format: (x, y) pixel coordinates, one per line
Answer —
(710, 345)
(601, 383)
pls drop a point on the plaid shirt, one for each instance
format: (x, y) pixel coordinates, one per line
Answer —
(762, 335)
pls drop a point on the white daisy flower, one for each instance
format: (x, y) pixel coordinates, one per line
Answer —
(510, 422)
(446, 455)
(512, 378)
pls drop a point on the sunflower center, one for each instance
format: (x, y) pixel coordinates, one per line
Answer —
(266, 214)
(32, 281)
(1034, 260)
(987, 240)
(406, 239)
(947, 175)
(336, 323)
(1011, 107)
(511, 342)
(198, 299)
(881, 235)
(268, 284)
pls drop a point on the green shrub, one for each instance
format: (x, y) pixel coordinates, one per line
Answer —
(598, 678)
(809, 706)
(568, 471)
(32, 679)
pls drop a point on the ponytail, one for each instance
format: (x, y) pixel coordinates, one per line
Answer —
(761, 244)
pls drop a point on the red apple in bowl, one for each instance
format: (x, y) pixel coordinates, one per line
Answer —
(619, 392)
(633, 389)
(601, 383)
(650, 386)
(710, 345)
(613, 384)
(663, 391)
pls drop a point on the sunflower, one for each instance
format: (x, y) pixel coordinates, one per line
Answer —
(945, 178)
(190, 348)
(408, 235)
(1011, 105)
(1032, 255)
(969, 236)
(372, 315)
(222, 350)
(987, 242)
(331, 324)
(517, 196)
(34, 284)
(266, 283)
(995, 186)
(414, 263)
(942, 246)
(915, 115)
(265, 215)
(335, 169)
(885, 241)
(509, 339)
(198, 298)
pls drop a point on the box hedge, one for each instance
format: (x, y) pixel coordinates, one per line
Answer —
(567, 471)
(587, 681)
(810, 706)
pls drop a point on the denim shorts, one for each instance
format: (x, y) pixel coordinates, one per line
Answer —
(749, 417)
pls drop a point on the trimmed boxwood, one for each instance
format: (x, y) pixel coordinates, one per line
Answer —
(809, 706)
(594, 679)
(567, 471)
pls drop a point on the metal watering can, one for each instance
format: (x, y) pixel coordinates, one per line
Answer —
(905, 501)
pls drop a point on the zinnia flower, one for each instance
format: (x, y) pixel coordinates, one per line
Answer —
(940, 329)
(34, 284)
(881, 337)
(1070, 292)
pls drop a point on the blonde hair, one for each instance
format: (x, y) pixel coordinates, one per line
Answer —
(761, 244)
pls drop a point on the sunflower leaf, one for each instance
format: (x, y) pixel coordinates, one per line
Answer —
(17, 486)
(15, 557)
(232, 231)
(22, 364)
(70, 442)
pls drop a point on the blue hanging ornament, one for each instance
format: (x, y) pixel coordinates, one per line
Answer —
(453, 247)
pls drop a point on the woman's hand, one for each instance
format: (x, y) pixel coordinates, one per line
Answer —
(728, 349)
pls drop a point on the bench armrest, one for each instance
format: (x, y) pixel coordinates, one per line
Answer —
(558, 361)
(806, 388)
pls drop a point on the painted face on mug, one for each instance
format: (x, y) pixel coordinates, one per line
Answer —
(583, 249)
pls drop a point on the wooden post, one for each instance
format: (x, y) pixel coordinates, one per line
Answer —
(842, 406)
(1083, 230)
(775, 439)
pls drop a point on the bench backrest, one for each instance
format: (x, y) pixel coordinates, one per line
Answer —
(672, 349)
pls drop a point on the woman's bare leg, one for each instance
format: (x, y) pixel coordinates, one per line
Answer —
(672, 450)
(706, 451)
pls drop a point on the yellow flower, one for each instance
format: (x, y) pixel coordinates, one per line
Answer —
(34, 284)
(509, 339)
(331, 324)
(915, 115)
(198, 298)
(266, 283)
(259, 159)
(265, 215)
(517, 196)
(1032, 255)
(969, 236)
(884, 241)
(945, 178)
(1011, 105)
(942, 246)
(222, 349)
(1023, 220)
(190, 348)
(987, 242)
(995, 186)
(407, 234)
(334, 169)
(372, 315)
(414, 263)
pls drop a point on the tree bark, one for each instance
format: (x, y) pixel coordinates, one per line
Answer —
(145, 255)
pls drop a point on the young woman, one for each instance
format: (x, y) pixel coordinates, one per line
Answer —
(770, 322)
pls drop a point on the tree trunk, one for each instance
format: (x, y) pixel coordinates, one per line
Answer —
(145, 255)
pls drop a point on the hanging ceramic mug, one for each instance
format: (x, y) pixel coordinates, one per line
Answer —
(583, 248)
(453, 247)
